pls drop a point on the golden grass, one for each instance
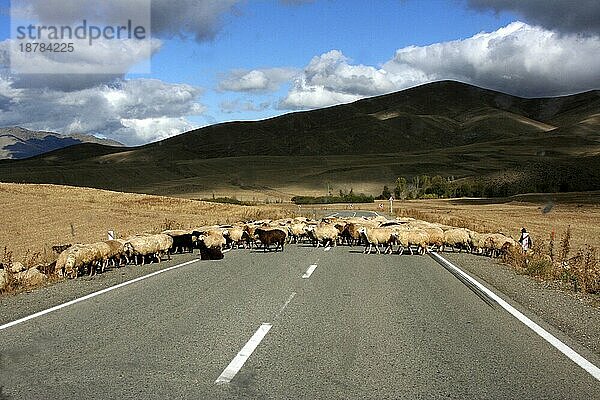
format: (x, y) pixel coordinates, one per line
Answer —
(36, 217)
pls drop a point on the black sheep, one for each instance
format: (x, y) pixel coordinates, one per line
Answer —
(271, 236)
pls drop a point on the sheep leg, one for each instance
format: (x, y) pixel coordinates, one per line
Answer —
(411, 252)
(388, 249)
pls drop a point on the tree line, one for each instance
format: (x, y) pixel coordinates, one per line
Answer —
(434, 187)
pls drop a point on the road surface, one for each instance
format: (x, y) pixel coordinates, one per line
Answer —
(306, 323)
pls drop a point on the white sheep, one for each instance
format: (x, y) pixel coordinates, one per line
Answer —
(235, 236)
(323, 233)
(116, 253)
(495, 244)
(435, 234)
(409, 237)
(457, 238)
(80, 257)
(148, 246)
(378, 236)
(297, 231)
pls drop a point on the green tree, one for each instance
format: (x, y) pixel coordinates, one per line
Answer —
(438, 186)
(385, 194)
(400, 191)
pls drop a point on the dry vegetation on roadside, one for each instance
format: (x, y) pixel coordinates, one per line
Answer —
(553, 260)
(36, 217)
(566, 236)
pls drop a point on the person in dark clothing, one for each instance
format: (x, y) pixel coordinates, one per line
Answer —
(525, 240)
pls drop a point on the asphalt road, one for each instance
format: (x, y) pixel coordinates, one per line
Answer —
(361, 326)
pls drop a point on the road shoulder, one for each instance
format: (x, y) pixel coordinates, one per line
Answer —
(577, 315)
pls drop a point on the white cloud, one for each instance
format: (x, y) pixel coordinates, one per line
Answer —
(329, 79)
(518, 59)
(256, 80)
(238, 105)
(130, 111)
(153, 129)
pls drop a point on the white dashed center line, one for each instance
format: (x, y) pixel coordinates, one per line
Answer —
(238, 362)
(309, 271)
(282, 309)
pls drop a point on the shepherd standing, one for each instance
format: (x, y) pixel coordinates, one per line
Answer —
(525, 240)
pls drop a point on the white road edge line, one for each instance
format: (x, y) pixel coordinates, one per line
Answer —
(560, 346)
(309, 271)
(332, 215)
(240, 359)
(91, 295)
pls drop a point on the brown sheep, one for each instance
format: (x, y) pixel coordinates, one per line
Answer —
(269, 236)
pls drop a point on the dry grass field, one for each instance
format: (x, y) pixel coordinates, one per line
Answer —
(36, 217)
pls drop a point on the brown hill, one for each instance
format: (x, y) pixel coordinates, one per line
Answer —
(446, 128)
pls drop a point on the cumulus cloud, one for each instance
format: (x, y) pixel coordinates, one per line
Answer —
(132, 111)
(581, 16)
(519, 59)
(256, 80)
(330, 79)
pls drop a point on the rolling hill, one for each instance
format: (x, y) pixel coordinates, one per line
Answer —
(447, 128)
(19, 143)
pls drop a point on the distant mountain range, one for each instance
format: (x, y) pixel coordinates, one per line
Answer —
(444, 128)
(18, 143)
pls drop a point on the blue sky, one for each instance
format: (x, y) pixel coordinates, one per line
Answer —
(246, 60)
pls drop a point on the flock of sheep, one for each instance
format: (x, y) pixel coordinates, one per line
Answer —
(375, 234)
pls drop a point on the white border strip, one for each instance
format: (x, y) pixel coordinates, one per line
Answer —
(238, 361)
(309, 271)
(560, 346)
(91, 295)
